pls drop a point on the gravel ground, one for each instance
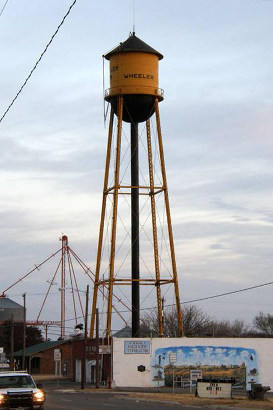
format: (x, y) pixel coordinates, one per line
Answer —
(190, 400)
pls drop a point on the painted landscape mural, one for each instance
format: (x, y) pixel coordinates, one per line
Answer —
(214, 361)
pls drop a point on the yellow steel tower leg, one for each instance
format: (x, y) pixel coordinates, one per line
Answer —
(153, 208)
(168, 214)
(114, 218)
(102, 221)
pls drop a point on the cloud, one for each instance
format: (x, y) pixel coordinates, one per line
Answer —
(216, 123)
(217, 246)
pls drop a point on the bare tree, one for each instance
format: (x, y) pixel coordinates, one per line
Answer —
(264, 323)
(149, 324)
(195, 322)
(226, 328)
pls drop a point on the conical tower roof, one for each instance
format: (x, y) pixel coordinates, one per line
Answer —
(6, 303)
(133, 43)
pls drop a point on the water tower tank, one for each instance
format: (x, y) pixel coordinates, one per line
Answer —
(9, 309)
(134, 75)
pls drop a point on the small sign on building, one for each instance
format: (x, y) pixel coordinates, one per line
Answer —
(172, 358)
(57, 355)
(141, 368)
(214, 389)
(104, 349)
(136, 347)
(195, 375)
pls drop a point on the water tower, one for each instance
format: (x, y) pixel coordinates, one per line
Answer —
(10, 310)
(134, 96)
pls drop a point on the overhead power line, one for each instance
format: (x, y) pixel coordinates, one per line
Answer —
(213, 296)
(226, 293)
(3, 8)
(201, 299)
(187, 301)
(38, 61)
(192, 300)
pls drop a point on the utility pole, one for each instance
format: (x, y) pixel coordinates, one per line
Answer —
(83, 379)
(11, 344)
(24, 335)
(97, 350)
(163, 306)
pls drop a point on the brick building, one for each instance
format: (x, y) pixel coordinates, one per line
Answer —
(40, 359)
(104, 360)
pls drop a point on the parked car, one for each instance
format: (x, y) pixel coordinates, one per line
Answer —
(18, 389)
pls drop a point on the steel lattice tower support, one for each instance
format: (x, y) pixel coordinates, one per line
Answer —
(134, 99)
(64, 240)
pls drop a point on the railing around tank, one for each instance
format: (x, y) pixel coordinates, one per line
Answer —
(126, 90)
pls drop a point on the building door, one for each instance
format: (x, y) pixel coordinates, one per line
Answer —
(35, 365)
(92, 371)
(78, 372)
(88, 370)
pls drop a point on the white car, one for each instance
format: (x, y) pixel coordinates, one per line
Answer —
(18, 389)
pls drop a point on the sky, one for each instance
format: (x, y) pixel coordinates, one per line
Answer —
(208, 355)
(217, 132)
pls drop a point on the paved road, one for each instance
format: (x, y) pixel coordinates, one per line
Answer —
(67, 396)
(98, 401)
(71, 400)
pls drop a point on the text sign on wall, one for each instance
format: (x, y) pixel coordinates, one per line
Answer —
(195, 375)
(214, 390)
(104, 349)
(172, 357)
(136, 347)
(57, 355)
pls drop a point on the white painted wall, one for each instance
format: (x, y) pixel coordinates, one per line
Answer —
(125, 373)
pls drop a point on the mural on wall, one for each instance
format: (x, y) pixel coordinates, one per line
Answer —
(214, 362)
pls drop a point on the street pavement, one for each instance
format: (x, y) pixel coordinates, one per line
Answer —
(76, 400)
(98, 401)
(69, 396)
